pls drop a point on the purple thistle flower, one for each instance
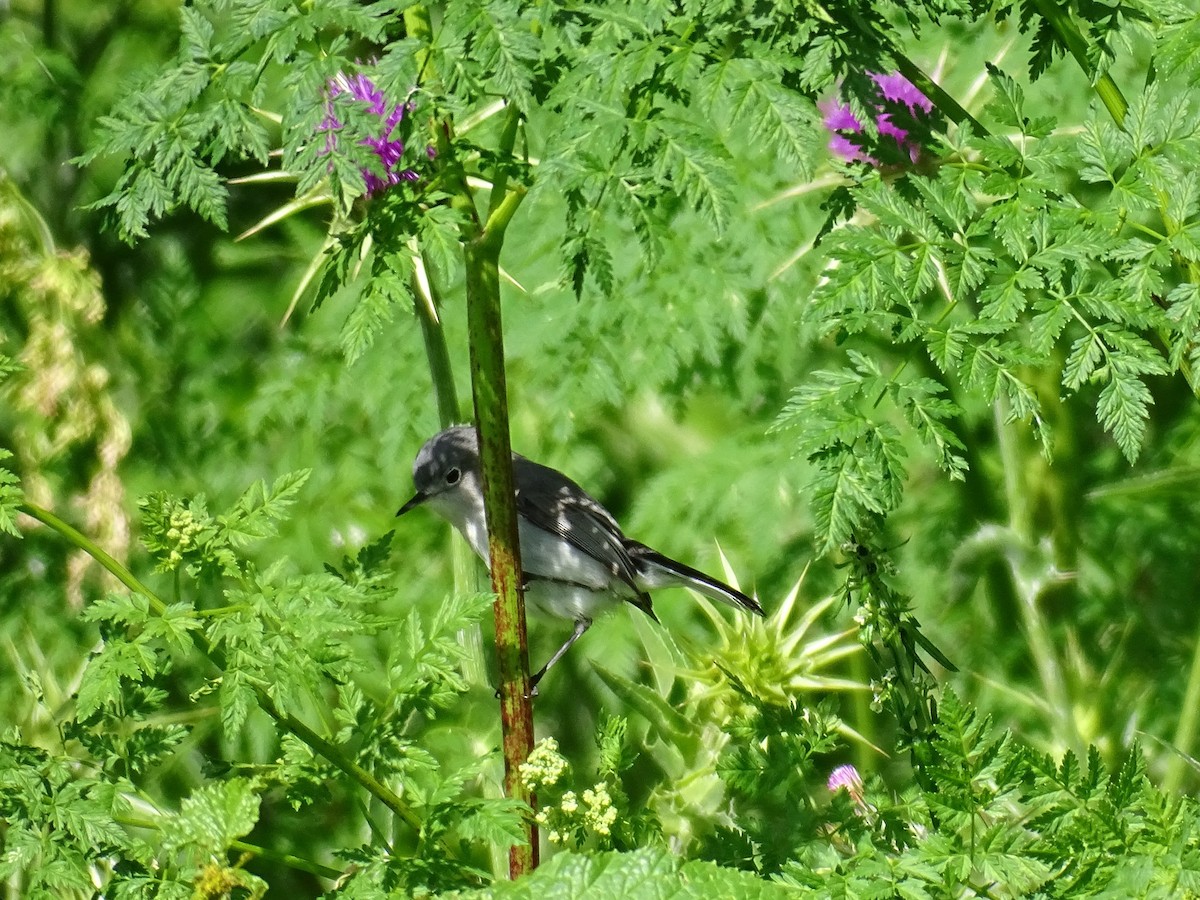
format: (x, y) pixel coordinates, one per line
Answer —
(386, 146)
(846, 777)
(896, 95)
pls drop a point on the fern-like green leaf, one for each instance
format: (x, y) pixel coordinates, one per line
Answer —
(696, 165)
(11, 495)
(213, 817)
(258, 511)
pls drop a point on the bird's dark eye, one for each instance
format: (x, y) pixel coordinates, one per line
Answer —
(453, 476)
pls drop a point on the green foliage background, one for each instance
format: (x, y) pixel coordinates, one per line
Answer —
(963, 394)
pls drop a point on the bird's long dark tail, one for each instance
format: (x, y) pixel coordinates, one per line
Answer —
(656, 570)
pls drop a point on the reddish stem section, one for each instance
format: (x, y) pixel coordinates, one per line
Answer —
(490, 396)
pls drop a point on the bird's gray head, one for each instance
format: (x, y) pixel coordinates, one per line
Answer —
(446, 471)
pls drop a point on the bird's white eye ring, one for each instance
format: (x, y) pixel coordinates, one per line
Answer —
(453, 476)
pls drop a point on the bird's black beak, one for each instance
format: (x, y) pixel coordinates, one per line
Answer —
(416, 501)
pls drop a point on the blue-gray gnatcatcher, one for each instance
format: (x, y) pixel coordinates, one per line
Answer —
(575, 559)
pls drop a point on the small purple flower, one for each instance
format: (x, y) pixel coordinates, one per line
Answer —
(898, 98)
(846, 777)
(386, 145)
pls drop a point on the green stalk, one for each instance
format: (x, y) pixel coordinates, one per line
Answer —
(318, 744)
(288, 859)
(482, 241)
(950, 107)
(96, 552)
(1072, 38)
(1037, 633)
(1185, 732)
(481, 253)
(427, 303)
(865, 720)
(508, 139)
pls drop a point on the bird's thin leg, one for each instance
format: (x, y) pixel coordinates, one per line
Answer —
(581, 625)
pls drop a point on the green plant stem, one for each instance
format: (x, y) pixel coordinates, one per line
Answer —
(1184, 740)
(419, 25)
(287, 859)
(489, 392)
(865, 720)
(1110, 95)
(334, 754)
(318, 744)
(1063, 485)
(1026, 587)
(945, 103)
(427, 303)
(482, 241)
(96, 552)
(508, 139)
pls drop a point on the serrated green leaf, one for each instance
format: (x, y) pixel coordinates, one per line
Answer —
(388, 288)
(893, 209)
(214, 816)
(498, 822)
(11, 498)
(236, 696)
(1085, 356)
(1005, 296)
(1123, 408)
(845, 489)
(945, 346)
(1104, 151)
(197, 33)
(258, 511)
(696, 165)
(1007, 106)
(102, 681)
(774, 115)
(438, 240)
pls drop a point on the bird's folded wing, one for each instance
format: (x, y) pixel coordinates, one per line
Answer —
(555, 503)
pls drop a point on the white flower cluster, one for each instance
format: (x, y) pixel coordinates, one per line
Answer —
(600, 814)
(572, 821)
(575, 816)
(545, 765)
